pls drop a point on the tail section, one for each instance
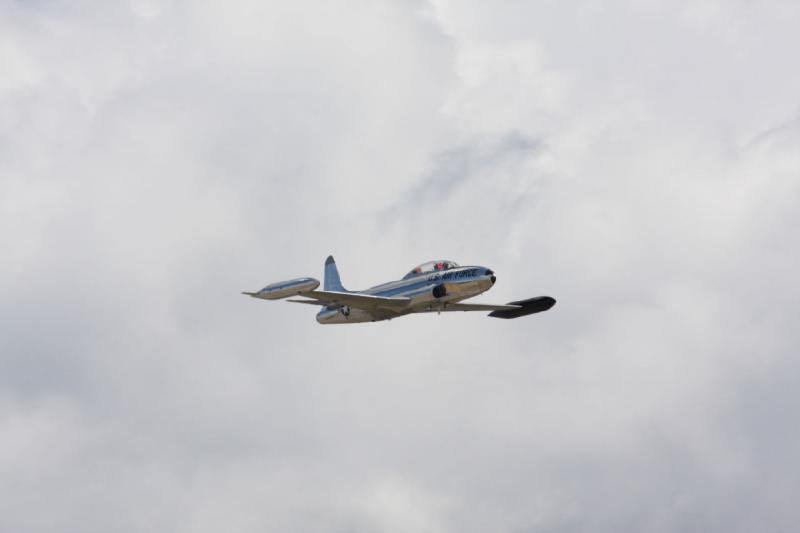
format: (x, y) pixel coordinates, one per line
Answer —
(332, 281)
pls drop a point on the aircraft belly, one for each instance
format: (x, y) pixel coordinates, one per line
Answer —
(337, 316)
(465, 290)
(455, 292)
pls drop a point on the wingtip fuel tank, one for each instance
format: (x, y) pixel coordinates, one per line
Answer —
(526, 307)
(284, 289)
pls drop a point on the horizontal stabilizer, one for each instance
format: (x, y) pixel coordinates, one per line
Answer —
(309, 302)
(526, 307)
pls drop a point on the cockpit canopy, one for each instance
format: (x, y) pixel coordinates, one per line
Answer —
(431, 266)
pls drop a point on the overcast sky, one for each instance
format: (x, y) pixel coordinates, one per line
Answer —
(638, 160)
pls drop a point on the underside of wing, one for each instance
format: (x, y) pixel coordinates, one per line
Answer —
(478, 307)
(366, 302)
(509, 310)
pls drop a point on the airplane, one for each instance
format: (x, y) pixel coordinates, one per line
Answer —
(435, 286)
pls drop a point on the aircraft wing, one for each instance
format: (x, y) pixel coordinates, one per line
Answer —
(366, 302)
(478, 307)
(509, 310)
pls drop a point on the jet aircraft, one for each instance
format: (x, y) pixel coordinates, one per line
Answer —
(435, 286)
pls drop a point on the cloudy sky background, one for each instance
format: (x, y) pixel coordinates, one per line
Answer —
(637, 160)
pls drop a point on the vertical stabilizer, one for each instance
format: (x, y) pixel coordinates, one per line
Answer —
(332, 281)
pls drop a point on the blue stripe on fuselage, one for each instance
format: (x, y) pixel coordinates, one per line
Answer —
(402, 287)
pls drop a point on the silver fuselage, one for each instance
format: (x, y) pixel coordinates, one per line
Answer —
(430, 291)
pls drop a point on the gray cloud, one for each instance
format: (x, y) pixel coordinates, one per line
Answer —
(638, 162)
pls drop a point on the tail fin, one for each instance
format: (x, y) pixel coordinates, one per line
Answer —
(332, 281)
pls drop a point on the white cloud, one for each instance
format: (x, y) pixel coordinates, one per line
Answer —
(636, 160)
